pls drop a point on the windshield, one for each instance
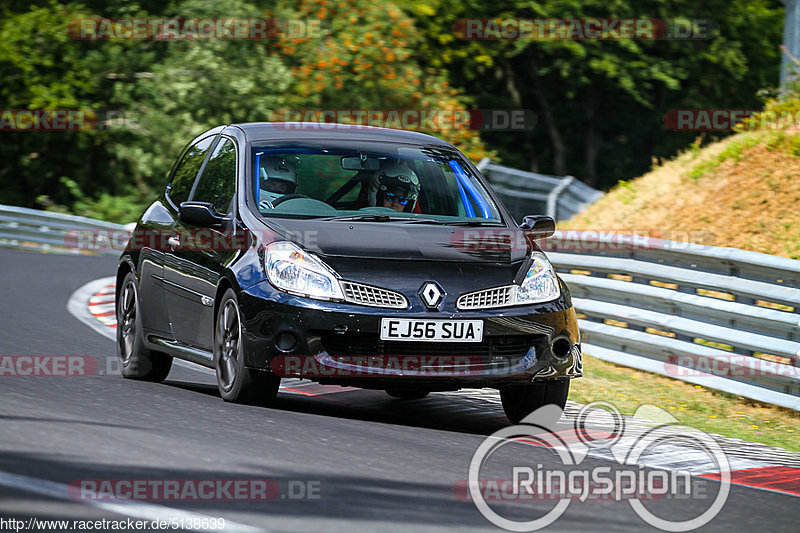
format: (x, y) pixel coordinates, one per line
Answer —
(381, 184)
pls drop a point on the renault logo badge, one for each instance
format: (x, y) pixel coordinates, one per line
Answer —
(431, 294)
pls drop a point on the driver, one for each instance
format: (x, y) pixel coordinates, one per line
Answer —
(277, 178)
(395, 187)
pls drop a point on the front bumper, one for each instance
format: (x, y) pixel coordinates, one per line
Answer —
(339, 343)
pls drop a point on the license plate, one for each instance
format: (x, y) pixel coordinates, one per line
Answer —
(406, 329)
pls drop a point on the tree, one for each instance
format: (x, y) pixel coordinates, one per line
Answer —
(197, 85)
(367, 59)
(601, 103)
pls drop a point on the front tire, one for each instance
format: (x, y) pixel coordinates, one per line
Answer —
(236, 382)
(521, 400)
(136, 361)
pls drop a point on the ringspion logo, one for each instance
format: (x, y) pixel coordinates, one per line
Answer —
(570, 478)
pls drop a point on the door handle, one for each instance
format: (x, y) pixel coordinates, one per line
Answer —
(174, 242)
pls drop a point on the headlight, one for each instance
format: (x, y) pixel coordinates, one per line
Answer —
(292, 270)
(540, 283)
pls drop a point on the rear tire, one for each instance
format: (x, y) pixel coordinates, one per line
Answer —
(236, 382)
(521, 400)
(136, 361)
(407, 394)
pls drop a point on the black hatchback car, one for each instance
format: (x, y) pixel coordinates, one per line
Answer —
(348, 255)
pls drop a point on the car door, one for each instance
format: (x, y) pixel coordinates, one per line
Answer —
(197, 255)
(157, 224)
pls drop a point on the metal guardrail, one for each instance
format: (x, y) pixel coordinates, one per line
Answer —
(791, 40)
(724, 318)
(529, 193)
(21, 227)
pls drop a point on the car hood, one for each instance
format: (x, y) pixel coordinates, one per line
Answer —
(389, 240)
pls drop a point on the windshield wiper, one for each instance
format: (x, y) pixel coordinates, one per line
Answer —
(475, 223)
(424, 221)
(387, 218)
(409, 220)
(366, 218)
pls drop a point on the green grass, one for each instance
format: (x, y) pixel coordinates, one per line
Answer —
(703, 168)
(733, 151)
(627, 191)
(705, 409)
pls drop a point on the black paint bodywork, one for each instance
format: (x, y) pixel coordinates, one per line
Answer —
(180, 288)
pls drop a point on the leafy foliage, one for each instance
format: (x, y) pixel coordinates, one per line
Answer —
(367, 59)
(600, 103)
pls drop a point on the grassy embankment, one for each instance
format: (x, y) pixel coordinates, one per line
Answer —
(742, 192)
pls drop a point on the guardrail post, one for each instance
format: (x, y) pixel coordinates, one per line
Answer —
(791, 39)
(552, 198)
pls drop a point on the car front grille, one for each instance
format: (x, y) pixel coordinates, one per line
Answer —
(487, 298)
(492, 348)
(361, 294)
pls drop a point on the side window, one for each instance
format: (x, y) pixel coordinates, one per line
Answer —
(187, 170)
(217, 185)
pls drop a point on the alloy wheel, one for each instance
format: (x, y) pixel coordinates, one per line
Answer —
(127, 320)
(228, 343)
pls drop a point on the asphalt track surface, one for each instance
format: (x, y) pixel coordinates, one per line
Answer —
(375, 462)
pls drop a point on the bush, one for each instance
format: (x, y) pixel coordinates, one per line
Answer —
(122, 209)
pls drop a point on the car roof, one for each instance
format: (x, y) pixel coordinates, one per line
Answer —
(290, 131)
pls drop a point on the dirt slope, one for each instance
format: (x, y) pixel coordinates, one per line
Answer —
(743, 191)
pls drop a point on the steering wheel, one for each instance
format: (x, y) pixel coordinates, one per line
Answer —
(287, 197)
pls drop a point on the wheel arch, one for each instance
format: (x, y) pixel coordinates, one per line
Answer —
(123, 269)
(226, 281)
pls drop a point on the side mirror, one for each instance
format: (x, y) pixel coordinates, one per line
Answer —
(539, 225)
(200, 214)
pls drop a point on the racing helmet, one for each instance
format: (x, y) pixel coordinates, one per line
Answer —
(395, 179)
(277, 178)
